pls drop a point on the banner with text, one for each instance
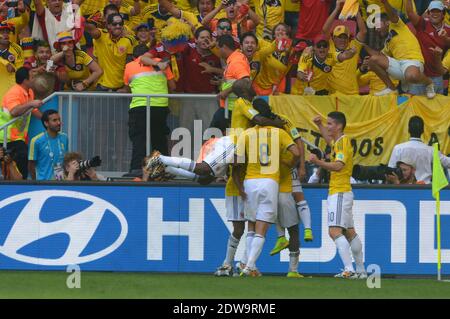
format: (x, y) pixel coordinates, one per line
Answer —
(374, 124)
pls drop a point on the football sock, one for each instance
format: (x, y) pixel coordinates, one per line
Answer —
(257, 246)
(305, 213)
(293, 261)
(248, 246)
(357, 253)
(231, 250)
(344, 252)
(181, 173)
(180, 162)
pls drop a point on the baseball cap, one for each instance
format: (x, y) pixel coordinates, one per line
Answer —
(320, 37)
(341, 29)
(407, 161)
(436, 5)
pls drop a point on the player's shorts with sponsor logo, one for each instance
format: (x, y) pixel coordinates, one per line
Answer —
(221, 156)
(287, 211)
(340, 212)
(296, 185)
(262, 199)
(235, 208)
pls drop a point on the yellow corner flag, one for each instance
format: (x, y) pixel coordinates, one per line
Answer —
(438, 183)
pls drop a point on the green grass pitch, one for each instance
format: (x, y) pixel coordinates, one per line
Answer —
(33, 284)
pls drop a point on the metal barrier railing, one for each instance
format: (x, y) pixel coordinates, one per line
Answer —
(103, 115)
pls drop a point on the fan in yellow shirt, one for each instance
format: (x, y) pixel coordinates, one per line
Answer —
(128, 9)
(401, 57)
(112, 50)
(270, 13)
(342, 77)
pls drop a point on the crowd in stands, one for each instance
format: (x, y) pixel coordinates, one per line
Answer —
(161, 46)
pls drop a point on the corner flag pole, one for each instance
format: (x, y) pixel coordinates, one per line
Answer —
(439, 182)
(438, 216)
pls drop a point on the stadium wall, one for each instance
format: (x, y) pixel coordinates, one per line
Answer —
(183, 228)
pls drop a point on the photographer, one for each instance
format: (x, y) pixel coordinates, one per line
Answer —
(10, 171)
(75, 169)
(408, 169)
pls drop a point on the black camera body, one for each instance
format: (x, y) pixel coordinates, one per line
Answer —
(87, 164)
(379, 172)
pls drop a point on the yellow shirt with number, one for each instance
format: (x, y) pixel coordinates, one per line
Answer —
(401, 43)
(287, 157)
(321, 71)
(342, 152)
(265, 48)
(342, 77)
(261, 147)
(270, 12)
(112, 58)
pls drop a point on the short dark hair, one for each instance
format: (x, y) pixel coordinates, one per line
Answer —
(110, 7)
(39, 44)
(224, 20)
(112, 16)
(226, 40)
(248, 34)
(140, 50)
(416, 126)
(200, 30)
(338, 117)
(22, 74)
(46, 115)
(263, 108)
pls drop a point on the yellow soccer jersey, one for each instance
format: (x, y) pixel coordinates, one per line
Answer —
(342, 152)
(285, 172)
(80, 71)
(264, 50)
(13, 56)
(18, 23)
(159, 19)
(273, 69)
(320, 72)
(292, 6)
(112, 57)
(401, 43)
(342, 77)
(261, 147)
(270, 12)
(242, 114)
(89, 7)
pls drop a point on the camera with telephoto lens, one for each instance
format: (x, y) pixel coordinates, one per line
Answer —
(368, 173)
(87, 164)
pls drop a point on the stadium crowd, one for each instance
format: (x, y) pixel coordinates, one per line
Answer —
(158, 47)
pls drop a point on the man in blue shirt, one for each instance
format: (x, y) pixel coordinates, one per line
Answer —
(46, 153)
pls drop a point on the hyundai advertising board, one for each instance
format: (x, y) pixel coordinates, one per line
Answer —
(184, 229)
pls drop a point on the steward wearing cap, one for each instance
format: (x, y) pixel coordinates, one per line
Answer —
(433, 34)
(11, 58)
(343, 76)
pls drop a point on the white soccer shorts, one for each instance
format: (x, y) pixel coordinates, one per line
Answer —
(235, 208)
(296, 184)
(340, 212)
(287, 211)
(262, 200)
(221, 156)
(397, 68)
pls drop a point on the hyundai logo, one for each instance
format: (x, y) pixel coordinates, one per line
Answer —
(80, 227)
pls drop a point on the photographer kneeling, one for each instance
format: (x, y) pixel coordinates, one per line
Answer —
(10, 172)
(75, 169)
(407, 176)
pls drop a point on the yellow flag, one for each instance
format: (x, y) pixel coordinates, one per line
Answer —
(439, 179)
